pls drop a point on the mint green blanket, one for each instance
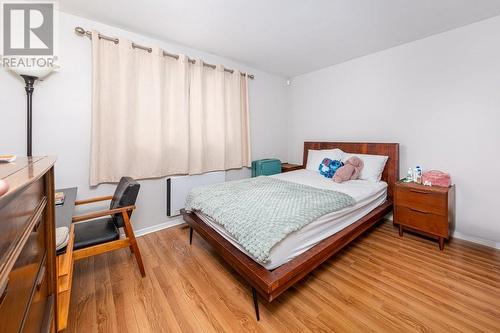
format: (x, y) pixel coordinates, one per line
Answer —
(260, 212)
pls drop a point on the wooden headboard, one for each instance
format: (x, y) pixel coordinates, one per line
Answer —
(391, 171)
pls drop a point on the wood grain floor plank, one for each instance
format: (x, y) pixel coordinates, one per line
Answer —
(215, 295)
(235, 292)
(123, 292)
(400, 299)
(455, 262)
(430, 281)
(433, 279)
(379, 283)
(83, 312)
(105, 305)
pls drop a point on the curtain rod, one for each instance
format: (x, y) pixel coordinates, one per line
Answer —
(82, 32)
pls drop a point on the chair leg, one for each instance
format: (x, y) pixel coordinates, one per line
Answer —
(138, 258)
(255, 303)
(190, 235)
(126, 235)
(133, 243)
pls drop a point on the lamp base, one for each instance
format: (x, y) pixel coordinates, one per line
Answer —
(30, 81)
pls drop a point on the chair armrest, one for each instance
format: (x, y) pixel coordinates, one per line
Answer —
(102, 213)
(91, 200)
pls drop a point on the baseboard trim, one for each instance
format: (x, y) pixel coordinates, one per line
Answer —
(472, 239)
(477, 240)
(157, 227)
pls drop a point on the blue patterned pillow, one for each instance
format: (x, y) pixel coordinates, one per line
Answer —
(328, 167)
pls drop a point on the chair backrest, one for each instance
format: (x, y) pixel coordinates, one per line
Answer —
(125, 195)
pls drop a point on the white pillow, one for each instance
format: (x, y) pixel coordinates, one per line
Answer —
(315, 157)
(373, 166)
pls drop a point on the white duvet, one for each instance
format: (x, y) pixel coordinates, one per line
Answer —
(368, 196)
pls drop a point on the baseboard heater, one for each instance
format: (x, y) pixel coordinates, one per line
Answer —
(179, 186)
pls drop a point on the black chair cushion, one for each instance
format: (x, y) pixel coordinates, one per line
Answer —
(125, 195)
(95, 232)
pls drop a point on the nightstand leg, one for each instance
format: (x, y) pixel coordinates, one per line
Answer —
(190, 235)
(441, 243)
(400, 230)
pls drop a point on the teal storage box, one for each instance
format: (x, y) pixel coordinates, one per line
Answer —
(266, 167)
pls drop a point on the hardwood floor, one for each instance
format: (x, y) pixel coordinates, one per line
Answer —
(379, 283)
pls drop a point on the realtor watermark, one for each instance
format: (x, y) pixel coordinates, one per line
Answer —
(28, 34)
(28, 62)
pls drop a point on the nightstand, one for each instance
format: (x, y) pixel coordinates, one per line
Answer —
(427, 209)
(286, 167)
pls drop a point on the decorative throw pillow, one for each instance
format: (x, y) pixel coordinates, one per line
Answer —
(328, 167)
(373, 166)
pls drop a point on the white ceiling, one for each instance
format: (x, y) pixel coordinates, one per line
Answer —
(286, 37)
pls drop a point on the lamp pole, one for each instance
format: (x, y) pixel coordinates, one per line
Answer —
(30, 81)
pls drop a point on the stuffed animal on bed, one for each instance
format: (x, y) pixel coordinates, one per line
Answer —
(350, 171)
(328, 167)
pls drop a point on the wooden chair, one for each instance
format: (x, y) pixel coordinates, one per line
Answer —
(100, 232)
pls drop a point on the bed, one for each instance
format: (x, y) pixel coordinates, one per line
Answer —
(305, 249)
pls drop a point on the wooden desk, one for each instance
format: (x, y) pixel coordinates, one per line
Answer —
(64, 214)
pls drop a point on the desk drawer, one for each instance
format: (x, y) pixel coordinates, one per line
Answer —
(15, 215)
(21, 279)
(423, 221)
(40, 307)
(429, 202)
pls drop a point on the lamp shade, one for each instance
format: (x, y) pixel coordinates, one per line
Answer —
(37, 71)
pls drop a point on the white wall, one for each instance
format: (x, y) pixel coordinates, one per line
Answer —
(62, 116)
(438, 97)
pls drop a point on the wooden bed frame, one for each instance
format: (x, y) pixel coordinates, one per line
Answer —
(270, 284)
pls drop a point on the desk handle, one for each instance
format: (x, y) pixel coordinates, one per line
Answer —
(41, 276)
(420, 192)
(37, 224)
(3, 292)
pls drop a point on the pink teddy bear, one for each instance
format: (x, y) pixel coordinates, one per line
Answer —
(350, 171)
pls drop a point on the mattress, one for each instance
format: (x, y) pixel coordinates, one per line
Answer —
(368, 196)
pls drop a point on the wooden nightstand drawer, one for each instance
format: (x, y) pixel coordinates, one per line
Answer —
(427, 209)
(425, 201)
(422, 220)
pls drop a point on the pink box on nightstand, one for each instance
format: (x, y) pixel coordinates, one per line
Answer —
(436, 178)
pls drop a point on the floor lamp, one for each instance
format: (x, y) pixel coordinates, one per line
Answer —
(30, 75)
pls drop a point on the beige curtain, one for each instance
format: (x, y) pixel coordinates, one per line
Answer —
(154, 116)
